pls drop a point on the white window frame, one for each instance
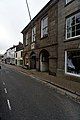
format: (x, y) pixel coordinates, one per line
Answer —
(21, 53)
(67, 1)
(33, 34)
(44, 27)
(71, 26)
(67, 73)
(27, 38)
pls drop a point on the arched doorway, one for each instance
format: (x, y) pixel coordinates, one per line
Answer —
(33, 60)
(44, 61)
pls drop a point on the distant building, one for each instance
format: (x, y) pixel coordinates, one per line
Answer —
(9, 56)
(18, 54)
(4, 57)
(13, 55)
(1, 58)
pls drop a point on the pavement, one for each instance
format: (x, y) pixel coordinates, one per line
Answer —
(61, 85)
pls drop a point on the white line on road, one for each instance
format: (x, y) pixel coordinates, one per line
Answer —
(9, 104)
(5, 90)
(3, 83)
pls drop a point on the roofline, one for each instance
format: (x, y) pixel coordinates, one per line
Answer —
(50, 3)
(19, 50)
(11, 48)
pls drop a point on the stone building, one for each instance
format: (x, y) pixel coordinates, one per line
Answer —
(40, 39)
(69, 39)
(52, 39)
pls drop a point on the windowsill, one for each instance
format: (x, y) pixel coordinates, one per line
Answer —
(66, 4)
(75, 75)
(44, 37)
(26, 45)
(32, 42)
(72, 38)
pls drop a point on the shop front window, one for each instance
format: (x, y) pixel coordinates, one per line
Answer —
(72, 62)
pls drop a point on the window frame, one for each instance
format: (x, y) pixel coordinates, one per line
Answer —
(21, 54)
(66, 72)
(67, 2)
(27, 38)
(33, 34)
(70, 18)
(44, 27)
(16, 54)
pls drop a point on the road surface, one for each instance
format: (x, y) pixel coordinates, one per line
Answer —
(25, 98)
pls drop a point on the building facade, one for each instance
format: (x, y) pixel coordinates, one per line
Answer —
(52, 39)
(69, 39)
(18, 54)
(4, 57)
(40, 40)
(1, 58)
(9, 56)
(13, 55)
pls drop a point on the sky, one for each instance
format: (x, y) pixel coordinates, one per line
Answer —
(13, 18)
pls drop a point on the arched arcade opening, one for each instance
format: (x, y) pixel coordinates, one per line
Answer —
(44, 60)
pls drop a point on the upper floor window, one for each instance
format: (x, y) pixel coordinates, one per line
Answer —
(73, 26)
(21, 53)
(33, 34)
(27, 39)
(44, 27)
(16, 55)
(67, 1)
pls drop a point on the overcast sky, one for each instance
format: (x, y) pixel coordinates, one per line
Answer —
(13, 18)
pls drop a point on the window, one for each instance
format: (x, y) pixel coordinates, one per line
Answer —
(21, 53)
(67, 1)
(33, 34)
(73, 26)
(27, 39)
(16, 55)
(72, 62)
(44, 27)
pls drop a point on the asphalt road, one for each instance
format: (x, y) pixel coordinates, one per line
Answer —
(25, 98)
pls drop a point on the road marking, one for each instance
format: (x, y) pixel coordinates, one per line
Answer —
(3, 83)
(9, 104)
(5, 90)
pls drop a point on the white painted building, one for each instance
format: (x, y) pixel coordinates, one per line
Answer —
(18, 54)
(19, 59)
(13, 55)
(9, 56)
